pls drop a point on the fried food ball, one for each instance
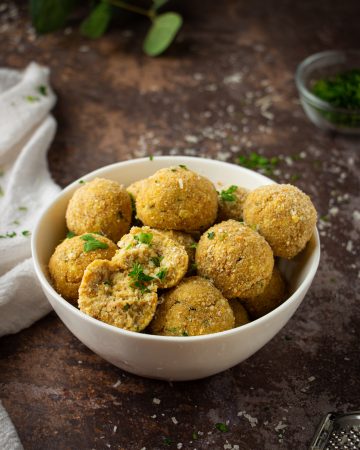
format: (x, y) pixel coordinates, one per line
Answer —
(284, 215)
(240, 313)
(176, 198)
(108, 293)
(231, 203)
(160, 257)
(192, 308)
(273, 295)
(236, 258)
(135, 188)
(184, 239)
(70, 259)
(100, 206)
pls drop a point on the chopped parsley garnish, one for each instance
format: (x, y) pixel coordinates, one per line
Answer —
(42, 90)
(211, 235)
(183, 166)
(195, 436)
(151, 157)
(228, 194)
(185, 333)
(26, 233)
(162, 273)
(107, 283)
(144, 238)
(295, 177)
(1, 192)
(82, 181)
(258, 162)
(70, 234)
(173, 170)
(193, 245)
(91, 243)
(126, 307)
(140, 279)
(167, 441)
(222, 427)
(32, 98)
(133, 205)
(8, 235)
(22, 208)
(157, 260)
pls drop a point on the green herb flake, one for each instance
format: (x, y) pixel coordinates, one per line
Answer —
(167, 441)
(107, 283)
(173, 170)
(70, 235)
(195, 436)
(22, 208)
(82, 181)
(185, 333)
(144, 238)
(26, 233)
(193, 245)
(32, 98)
(91, 243)
(222, 427)
(140, 279)
(8, 235)
(1, 192)
(156, 260)
(162, 273)
(228, 194)
(183, 166)
(295, 177)
(258, 162)
(42, 90)
(211, 235)
(151, 157)
(126, 307)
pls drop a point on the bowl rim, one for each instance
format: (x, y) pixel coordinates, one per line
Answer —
(312, 99)
(149, 337)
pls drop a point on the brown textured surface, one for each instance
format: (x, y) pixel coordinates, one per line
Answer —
(114, 103)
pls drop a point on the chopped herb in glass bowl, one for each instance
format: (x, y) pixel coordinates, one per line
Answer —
(329, 88)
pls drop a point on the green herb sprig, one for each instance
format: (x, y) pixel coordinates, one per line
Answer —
(144, 238)
(228, 194)
(140, 279)
(51, 15)
(91, 243)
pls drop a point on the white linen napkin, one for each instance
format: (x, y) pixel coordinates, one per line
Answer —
(26, 131)
(9, 439)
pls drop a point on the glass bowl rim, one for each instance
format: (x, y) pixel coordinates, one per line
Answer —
(312, 99)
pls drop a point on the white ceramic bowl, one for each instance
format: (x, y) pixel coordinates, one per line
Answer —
(163, 357)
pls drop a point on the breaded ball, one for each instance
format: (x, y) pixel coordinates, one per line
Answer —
(176, 198)
(70, 259)
(273, 295)
(284, 215)
(111, 295)
(184, 239)
(161, 258)
(231, 203)
(236, 258)
(192, 308)
(135, 188)
(240, 313)
(100, 206)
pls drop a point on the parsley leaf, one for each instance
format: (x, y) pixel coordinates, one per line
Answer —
(26, 233)
(32, 98)
(144, 238)
(70, 234)
(157, 260)
(211, 235)
(255, 161)
(91, 243)
(42, 90)
(228, 194)
(162, 273)
(140, 279)
(183, 166)
(193, 245)
(222, 427)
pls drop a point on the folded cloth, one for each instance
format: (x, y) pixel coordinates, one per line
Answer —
(26, 131)
(9, 440)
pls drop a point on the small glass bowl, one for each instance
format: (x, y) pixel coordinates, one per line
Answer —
(321, 113)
